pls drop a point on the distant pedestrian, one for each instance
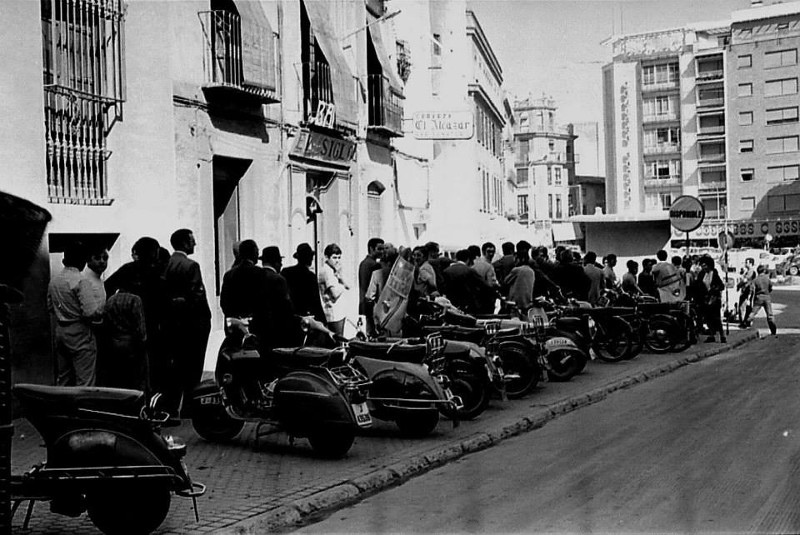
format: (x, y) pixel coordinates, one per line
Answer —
(189, 319)
(303, 286)
(571, 277)
(463, 286)
(762, 298)
(629, 284)
(677, 261)
(474, 254)
(520, 282)
(712, 287)
(96, 265)
(427, 278)
(380, 277)
(609, 275)
(483, 267)
(646, 281)
(74, 307)
(507, 262)
(275, 321)
(667, 279)
(332, 286)
(595, 275)
(365, 268)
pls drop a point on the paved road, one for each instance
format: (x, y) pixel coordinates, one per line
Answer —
(713, 447)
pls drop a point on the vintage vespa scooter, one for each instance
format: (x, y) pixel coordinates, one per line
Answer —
(105, 455)
(308, 392)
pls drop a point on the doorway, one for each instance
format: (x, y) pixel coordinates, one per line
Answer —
(227, 221)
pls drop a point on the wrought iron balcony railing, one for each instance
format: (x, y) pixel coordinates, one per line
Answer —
(238, 63)
(385, 111)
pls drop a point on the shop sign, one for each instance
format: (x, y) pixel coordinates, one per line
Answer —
(750, 228)
(687, 213)
(443, 124)
(318, 146)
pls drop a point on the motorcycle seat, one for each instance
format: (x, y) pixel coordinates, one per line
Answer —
(69, 399)
(656, 308)
(395, 352)
(458, 332)
(304, 357)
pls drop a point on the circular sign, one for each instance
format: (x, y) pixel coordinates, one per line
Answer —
(725, 240)
(687, 213)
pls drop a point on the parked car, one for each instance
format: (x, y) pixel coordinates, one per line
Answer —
(790, 266)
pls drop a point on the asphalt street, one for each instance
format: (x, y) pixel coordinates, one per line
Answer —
(713, 447)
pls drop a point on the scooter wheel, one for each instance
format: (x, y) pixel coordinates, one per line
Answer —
(138, 509)
(662, 334)
(214, 424)
(471, 388)
(332, 442)
(518, 363)
(564, 365)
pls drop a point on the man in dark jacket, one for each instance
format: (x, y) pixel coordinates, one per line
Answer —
(463, 285)
(275, 324)
(241, 292)
(506, 263)
(365, 269)
(189, 318)
(303, 286)
(570, 277)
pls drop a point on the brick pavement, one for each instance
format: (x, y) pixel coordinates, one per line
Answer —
(255, 487)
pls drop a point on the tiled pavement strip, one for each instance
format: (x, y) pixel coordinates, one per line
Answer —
(271, 485)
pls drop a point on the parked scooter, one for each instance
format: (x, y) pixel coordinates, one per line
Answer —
(105, 455)
(409, 383)
(307, 392)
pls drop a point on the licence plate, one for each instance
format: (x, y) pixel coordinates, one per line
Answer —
(363, 418)
(211, 400)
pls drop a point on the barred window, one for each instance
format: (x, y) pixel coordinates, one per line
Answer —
(84, 88)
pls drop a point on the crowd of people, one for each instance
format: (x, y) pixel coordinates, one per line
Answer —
(147, 325)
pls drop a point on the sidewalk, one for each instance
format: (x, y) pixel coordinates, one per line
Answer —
(271, 485)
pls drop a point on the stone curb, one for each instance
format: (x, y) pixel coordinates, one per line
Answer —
(290, 515)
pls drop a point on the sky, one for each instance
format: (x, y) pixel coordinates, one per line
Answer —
(553, 46)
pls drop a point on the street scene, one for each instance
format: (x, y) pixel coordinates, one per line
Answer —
(344, 266)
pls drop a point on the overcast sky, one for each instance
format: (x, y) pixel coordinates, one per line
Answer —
(553, 46)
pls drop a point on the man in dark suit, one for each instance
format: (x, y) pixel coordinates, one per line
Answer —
(189, 318)
(463, 285)
(302, 282)
(241, 292)
(276, 323)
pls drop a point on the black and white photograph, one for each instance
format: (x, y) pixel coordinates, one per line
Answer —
(399, 266)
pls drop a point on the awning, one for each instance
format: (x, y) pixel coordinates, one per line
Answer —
(258, 46)
(566, 232)
(389, 67)
(344, 87)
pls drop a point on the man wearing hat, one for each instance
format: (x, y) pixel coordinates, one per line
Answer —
(276, 326)
(302, 283)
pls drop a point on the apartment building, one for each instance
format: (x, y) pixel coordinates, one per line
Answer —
(709, 110)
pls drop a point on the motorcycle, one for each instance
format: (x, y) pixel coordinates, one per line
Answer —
(409, 383)
(308, 392)
(475, 373)
(105, 456)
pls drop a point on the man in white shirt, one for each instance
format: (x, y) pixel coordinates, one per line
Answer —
(483, 266)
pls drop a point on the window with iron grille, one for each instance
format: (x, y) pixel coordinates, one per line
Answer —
(84, 88)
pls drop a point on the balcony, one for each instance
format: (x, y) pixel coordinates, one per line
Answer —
(710, 75)
(384, 107)
(661, 86)
(711, 130)
(651, 181)
(544, 129)
(661, 117)
(711, 158)
(716, 102)
(662, 148)
(713, 187)
(238, 67)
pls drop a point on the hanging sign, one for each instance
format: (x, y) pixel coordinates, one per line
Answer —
(443, 124)
(687, 213)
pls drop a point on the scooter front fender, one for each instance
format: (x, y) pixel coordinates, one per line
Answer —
(381, 370)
